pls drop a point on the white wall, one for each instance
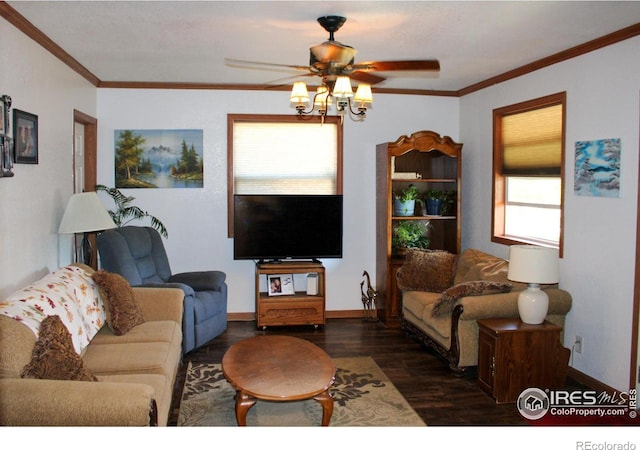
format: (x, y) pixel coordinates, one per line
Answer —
(197, 218)
(32, 202)
(599, 249)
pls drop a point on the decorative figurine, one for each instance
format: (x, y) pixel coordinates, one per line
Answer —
(368, 299)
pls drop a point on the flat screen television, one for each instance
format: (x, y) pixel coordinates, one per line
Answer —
(278, 227)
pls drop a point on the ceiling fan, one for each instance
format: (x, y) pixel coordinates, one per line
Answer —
(331, 59)
(335, 64)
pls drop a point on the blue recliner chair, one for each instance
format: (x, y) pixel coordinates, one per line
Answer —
(138, 254)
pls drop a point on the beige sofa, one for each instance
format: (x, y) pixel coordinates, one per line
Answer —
(443, 295)
(135, 371)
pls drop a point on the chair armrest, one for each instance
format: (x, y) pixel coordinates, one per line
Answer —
(31, 402)
(506, 304)
(211, 280)
(160, 303)
(186, 289)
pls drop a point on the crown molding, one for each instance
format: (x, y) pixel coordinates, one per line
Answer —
(20, 22)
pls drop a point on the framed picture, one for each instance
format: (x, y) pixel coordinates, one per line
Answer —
(25, 136)
(280, 284)
(6, 157)
(3, 117)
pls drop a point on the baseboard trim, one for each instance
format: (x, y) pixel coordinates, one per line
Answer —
(341, 314)
(590, 382)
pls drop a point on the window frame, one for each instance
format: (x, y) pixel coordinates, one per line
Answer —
(499, 191)
(232, 119)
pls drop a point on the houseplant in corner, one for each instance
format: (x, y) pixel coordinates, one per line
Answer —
(409, 234)
(404, 202)
(125, 212)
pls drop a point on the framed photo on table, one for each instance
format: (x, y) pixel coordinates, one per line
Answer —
(280, 284)
(25, 137)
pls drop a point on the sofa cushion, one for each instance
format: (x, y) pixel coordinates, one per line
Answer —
(155, 331)
(161, 358)
(427, 270)
(474, 265)
(54, 357)
(123, 311)
(68, 292)
(445, 303)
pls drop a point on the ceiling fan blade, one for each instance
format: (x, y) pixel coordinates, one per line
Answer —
(257, 65)
(387, 66)
(366, 77)
(286, 80)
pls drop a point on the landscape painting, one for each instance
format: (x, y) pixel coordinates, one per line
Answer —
(598, 168)
(158, 159)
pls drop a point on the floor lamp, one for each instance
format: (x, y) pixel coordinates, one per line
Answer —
(85, 214)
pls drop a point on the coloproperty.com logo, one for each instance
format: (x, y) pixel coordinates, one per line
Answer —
(591, 406)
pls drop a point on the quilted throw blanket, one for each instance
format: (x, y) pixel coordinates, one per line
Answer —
(70, 293)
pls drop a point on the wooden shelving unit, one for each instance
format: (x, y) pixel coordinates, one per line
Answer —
(436, 163)
(299, 308)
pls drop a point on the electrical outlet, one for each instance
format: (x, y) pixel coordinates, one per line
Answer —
(577, 345)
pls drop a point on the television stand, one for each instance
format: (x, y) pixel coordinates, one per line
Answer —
(302, 307)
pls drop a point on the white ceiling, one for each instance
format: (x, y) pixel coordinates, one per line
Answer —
(187, 41)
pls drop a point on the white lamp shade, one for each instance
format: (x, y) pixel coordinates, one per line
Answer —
(85, 213)
(299, 93)
(363, 94)
(533, 264)
(342, 88)
(322, 97)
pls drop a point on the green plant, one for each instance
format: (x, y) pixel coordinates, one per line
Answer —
(434, 195)
(448, 198)
(410, 234)
(410, 193)
(125, 212)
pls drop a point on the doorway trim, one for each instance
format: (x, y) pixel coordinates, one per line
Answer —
(90, 165)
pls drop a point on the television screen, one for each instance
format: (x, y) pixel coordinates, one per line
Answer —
(275, 227)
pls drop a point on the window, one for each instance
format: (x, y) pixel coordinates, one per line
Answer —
(276, 154)
(528, 172)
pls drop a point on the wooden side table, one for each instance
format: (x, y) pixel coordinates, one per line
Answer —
(514, 356)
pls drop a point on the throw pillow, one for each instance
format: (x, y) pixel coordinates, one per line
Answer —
(427, 270)
(122, 310)
(54, 357)
(445, 303)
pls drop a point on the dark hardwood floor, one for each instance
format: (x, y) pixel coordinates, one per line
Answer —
(424, 379)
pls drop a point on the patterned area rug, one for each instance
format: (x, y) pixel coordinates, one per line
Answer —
(363, 397)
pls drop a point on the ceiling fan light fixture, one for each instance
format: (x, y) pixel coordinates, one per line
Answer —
(322, 97)
(299, 93)
(342, 88)
(363, 94)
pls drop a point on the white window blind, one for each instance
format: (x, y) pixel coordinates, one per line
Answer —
(285, 158)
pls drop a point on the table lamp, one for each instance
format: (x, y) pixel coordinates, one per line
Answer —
(533, 265)
(84, 214)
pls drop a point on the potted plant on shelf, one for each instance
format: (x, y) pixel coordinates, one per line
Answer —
(439, 203)
(409, 234)
(404, 202)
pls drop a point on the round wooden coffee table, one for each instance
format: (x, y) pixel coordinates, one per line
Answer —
(281, 369)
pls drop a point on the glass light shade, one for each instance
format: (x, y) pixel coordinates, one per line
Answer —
(322, 97)
(342, 88)
(299, 93)
(85, 213)
(363, 94)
